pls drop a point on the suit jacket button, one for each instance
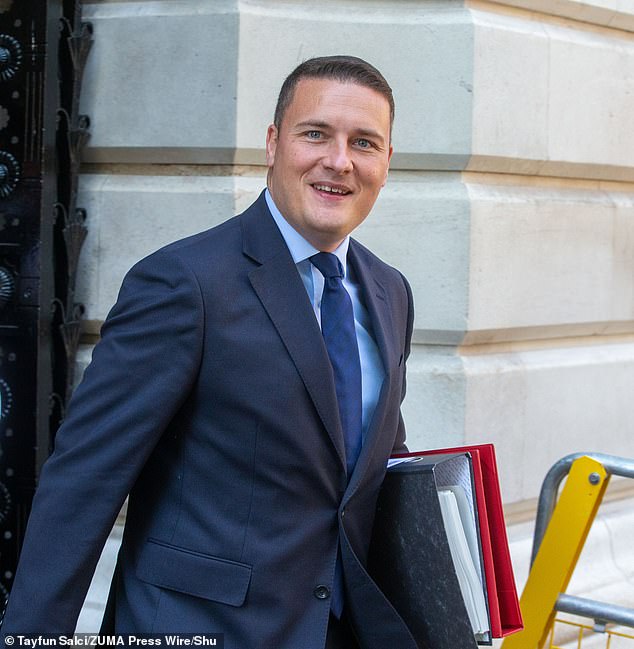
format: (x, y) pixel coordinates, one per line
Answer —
(322, 592)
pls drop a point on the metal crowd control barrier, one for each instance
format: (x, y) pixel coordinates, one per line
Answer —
(561, 529)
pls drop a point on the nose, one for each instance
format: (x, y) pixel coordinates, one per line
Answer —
(338, 156)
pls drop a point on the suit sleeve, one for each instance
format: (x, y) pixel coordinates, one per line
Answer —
(399, 443)
(142, 371)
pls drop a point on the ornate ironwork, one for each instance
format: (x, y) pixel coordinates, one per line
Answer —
(43, 50)
(7, 289)
(10, 56)
(70, 229)
(70, 332)
(74, 232)
(79, 44)
(9, 173)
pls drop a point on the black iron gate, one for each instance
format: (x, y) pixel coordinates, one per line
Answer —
(43, 47)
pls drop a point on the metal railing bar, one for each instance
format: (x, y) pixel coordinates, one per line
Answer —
(592, 609)
(548, 495)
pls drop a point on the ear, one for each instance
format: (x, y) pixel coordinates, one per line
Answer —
(389, 157)
(271, 144)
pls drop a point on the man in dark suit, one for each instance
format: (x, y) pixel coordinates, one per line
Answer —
(246, 395)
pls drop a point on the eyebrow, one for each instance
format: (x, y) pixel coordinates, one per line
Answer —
(362, 132)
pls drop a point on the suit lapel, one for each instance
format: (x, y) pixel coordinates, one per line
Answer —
(374, 294)
(283, 295)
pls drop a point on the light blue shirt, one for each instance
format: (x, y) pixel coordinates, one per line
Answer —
(372, 372)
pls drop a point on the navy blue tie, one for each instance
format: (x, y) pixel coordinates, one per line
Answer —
(337, 328)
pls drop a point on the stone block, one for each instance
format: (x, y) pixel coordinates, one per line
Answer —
(617, 14)
(131, 216)
(538, 405)
(510, 101)
(550, 260)
(162, 77)
(591, 100)
(551, 98)
(434, 406)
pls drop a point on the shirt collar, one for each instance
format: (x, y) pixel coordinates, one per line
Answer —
(299, 248)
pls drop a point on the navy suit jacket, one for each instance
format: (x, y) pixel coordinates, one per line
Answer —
(210, 401)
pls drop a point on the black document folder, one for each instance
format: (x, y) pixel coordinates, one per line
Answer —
(410, 557)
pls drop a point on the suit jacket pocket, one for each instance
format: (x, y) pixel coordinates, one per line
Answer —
(194, 573)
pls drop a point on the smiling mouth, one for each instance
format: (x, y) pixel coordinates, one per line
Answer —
(340, 191)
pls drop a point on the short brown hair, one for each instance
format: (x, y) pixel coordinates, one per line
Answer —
(340, 68)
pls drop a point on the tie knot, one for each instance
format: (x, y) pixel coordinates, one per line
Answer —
(327, 264)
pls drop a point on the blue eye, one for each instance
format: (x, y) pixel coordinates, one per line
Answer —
(363, 143)
(313, 135)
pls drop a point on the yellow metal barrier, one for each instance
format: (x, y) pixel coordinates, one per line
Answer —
(559, 551)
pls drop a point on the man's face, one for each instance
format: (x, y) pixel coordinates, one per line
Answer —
(329, 159)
